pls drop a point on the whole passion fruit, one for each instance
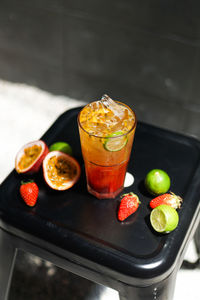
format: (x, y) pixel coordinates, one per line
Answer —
(30, 157)
(61, 171)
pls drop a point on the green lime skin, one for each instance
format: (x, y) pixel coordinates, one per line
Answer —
(164, 218)
(114, 143)
(61, 146)
(157, 182)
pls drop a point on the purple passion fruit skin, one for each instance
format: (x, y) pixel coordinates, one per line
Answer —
(30, 157)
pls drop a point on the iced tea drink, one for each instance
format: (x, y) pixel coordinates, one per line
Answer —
(106, 130)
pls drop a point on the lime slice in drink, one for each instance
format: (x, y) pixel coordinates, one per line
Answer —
(115, 141)
(164, 218)
(61, 146)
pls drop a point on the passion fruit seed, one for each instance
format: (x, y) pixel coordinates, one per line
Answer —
(30, 156)
(61, 171)
(157, 182)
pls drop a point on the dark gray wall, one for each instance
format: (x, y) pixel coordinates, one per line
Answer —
(143, 52)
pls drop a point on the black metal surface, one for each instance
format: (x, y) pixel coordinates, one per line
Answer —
(74, 220)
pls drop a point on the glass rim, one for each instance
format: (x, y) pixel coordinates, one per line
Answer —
(110, 137)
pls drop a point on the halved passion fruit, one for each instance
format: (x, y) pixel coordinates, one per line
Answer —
(30, 157)
(61, 171)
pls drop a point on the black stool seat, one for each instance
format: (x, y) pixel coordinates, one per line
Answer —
(81, 234)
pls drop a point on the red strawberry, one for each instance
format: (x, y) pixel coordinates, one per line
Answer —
(129, 204)
(169, 199)
(29, 192)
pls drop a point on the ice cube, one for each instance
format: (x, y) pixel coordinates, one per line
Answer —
(117, 109)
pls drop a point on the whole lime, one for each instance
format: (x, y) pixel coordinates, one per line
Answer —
(157, 182)
(61, 146)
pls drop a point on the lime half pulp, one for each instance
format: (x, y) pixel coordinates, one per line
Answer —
(115, 141)
(164, 218)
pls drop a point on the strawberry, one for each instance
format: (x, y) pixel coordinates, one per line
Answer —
(29, 192)
(169, 199)
(129, 204)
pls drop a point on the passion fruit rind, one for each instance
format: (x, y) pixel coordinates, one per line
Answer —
(60, 170)
(30, 157)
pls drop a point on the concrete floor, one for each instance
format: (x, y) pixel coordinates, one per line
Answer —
(34, 278)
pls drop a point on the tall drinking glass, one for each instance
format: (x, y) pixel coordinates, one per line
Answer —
(106, 130)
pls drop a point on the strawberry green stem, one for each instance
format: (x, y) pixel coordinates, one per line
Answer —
(25, 182)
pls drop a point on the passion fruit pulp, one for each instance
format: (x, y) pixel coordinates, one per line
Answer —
(61, 171)
(30, 157)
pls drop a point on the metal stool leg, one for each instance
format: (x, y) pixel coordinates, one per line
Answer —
(163, 290)
(197, 239)
(7, 259)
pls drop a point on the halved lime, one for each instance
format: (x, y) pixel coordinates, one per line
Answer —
(164, 218)
(61, 146)
(157, 182)
(115, 141)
